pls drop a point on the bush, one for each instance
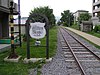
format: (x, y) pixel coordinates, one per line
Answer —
(65, 24)
(97, 28)
(24, 37)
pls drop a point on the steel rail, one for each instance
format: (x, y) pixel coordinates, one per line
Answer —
(80, 66)
(83, 45)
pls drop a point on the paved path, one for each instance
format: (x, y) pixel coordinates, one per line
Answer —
(89, 37)
(4, 47)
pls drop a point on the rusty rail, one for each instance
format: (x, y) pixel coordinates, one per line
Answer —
(76, 59)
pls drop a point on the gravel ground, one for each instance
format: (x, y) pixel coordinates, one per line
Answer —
(58, 66)
(93, 67)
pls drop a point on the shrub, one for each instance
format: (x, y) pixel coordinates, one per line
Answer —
(65, 24)
(24, 37)
(96, 28)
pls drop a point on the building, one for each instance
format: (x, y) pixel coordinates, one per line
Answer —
(96, 12)
(77, 14)
(96, 8)
(16, 26)
(4, 17)
(86, 26)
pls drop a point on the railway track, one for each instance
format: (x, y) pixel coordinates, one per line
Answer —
(87, 60)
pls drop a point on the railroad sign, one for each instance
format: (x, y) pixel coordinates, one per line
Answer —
(37, 30)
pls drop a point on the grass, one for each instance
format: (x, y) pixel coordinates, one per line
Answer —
(94, 33)
(75, 26)
(91, 42)
(20, 68)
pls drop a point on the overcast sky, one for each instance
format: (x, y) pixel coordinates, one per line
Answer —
(58, 6)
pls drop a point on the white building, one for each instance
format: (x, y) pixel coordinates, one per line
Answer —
(23, 20)
(77, 14)
(16, 26)
(96, 12)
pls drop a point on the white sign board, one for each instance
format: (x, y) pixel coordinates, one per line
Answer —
(37, 30)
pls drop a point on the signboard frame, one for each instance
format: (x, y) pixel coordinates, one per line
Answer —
(29, 20)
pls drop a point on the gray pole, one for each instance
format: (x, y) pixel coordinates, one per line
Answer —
(28, 40)
(69, 20)
(19, 21)
(47, 41)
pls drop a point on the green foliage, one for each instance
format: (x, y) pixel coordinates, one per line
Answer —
(75, 26)
(84, 17)
(24, 37)
(97, 28)
(47, 12)
(67, 17)
(95, 31)
(65, 24)
(58, 23)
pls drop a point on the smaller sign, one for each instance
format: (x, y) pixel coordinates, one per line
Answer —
(37, 43)
(37, 30)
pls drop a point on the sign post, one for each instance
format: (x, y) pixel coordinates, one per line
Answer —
(37, 30)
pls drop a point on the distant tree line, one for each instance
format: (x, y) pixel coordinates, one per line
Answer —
(67, 18)
(47, 12)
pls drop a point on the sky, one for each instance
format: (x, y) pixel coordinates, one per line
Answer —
(58, 6)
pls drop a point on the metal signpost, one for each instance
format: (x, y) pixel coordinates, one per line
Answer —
(35, 28)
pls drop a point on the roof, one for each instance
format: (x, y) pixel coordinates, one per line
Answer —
(81, 11)
(87, 22)
(6, 10)
(23, 20)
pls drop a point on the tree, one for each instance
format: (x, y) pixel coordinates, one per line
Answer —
(59, 23)
(67, 17)
(47, 12)
(84, 17)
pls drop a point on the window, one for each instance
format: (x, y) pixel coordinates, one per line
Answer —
(0, 2)
(8, 3)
